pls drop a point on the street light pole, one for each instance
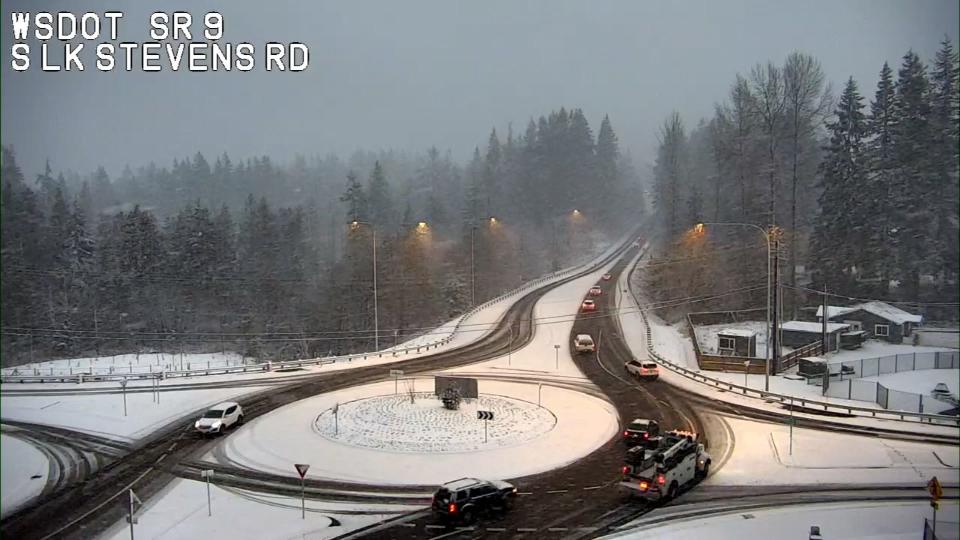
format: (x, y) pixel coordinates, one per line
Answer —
(473, 268)
(766, 236)
(376, 314)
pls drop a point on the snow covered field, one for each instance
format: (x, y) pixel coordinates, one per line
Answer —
(130, 363)
(526, 441)
(762, 456)
(103, 413)
(873, 348)
(20, 461)
(180, 511)
(848, 521)
(920, 382)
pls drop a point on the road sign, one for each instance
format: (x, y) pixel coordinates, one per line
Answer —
(935, 489)
(302, 469)
(484, 415)
(207, 473)
(396, 373)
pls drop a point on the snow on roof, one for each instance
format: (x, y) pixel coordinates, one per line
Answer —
(880, 309)
(740, 332)
(815, 359)
(461, 483)
(812, 327)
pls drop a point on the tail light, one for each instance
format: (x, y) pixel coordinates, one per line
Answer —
(452, 508)
(661, 479)
(625, 469)
(646, 435)
(626, 433)
(644, 485)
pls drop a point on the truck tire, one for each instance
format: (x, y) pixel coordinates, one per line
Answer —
(706, 470)
(672, 492)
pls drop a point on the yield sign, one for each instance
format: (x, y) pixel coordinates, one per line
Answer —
(935, 489)
(302, 469)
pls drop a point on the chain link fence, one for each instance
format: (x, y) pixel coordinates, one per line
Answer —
(845, 381)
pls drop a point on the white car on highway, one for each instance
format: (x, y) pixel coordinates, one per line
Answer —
(219, 418)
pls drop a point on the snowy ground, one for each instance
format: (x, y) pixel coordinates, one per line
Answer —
(25, 470)
(919, 382)
(707, 335)
(583, 422)
(130, 363)
(527, 441)
(873, 348)
(103, 413)
(848, 521)
(180, 511)
(762, 456)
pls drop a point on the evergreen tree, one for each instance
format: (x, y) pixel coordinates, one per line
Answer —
(914, 193)
(356, 199)
(378, 197)
(944, 122)
(838, 231)
(879, 242)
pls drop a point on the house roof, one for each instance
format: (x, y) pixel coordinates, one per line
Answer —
(812, 327)
(880, 309)
(739, 332)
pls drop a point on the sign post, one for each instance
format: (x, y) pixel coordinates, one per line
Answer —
(396, 374)
(539, 391)
(792, 422)
(123, 388)
(208, 473)
(746, 369)
(302, 471)
(936, 493)
(130, 518)
(484, 415)
(336, 418)
(556, 348)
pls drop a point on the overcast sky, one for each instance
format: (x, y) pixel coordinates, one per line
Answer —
(408, 75)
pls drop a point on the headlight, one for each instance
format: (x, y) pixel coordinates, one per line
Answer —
(196, 424)
(216, 424)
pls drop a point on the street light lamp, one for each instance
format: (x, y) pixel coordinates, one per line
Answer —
(354, 225)
(767, 234)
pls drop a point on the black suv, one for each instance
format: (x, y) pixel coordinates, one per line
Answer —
(642, 432)
(463, 499)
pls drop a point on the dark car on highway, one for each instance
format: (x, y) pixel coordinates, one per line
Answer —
(464, 499)
(642, 432)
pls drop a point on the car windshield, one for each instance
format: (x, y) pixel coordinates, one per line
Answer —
(648, 365)
(213, 414)
(442, 495)
(638, 426)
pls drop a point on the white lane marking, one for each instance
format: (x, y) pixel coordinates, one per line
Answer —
(526, 529)
(525, 493)
(172, 446)
(161, 458)
(496, 529)
(557, 529)
(558, 491)
(593, 487)
(433, 527)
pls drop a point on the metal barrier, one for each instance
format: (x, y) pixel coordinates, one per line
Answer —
(772, 396)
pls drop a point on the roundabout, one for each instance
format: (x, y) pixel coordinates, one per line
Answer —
(419, 423)
(380, 437)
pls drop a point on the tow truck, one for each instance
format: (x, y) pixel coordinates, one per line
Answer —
(660, 474)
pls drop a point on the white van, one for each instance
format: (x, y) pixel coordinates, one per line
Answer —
(583, 343)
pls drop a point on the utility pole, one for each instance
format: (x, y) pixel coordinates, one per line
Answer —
(376, 314)
(473, 268)
(825, 343)
(775, 331)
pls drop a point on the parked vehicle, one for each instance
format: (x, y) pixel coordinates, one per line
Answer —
(583, 343)
(643, 369)
(595, 291)
(464, 499)
(588, 305)
(219, 418)
(642, 432)
(660, 474)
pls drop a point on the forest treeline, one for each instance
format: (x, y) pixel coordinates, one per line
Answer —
(863, 188)
(276, 261)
